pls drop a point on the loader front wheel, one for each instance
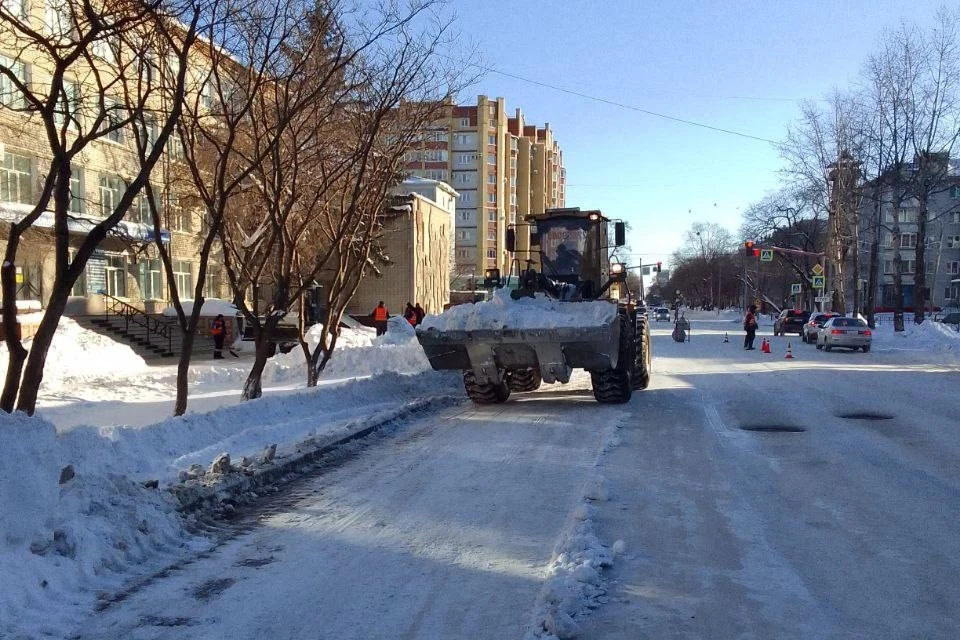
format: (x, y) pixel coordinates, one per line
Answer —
(614, 386)
(642, 362)
(521, 380)
(489, 393)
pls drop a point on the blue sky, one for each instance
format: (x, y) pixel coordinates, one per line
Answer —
(739, 65)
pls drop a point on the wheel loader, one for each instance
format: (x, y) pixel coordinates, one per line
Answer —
(568, 309)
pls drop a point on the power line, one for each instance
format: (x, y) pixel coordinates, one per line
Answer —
(622, 105)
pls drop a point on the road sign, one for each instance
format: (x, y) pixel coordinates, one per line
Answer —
(822, 298)
(766, 255)
(818, 282)
(817, 270)
(795, 288)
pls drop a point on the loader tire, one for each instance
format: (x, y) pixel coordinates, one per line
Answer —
(489, 393)
(614, 386)
(642, 362)
(522, 380)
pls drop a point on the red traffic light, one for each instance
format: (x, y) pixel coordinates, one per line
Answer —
(748, 248)
(658, 266)
(756, 253)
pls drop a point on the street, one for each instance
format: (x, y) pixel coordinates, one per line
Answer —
(743, 495)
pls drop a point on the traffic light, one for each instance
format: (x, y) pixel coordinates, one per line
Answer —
(659, 264)
(748, 248)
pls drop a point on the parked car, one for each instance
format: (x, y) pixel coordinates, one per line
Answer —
(952, 318)
(812, 327)
(850, 333)
(661, 314)
(790, 321)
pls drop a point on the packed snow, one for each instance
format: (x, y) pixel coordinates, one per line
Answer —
(540, 312)
(77, 517)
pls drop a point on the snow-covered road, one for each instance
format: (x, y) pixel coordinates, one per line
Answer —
(816, 526)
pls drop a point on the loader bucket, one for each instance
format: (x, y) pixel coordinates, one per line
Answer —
(552, 351)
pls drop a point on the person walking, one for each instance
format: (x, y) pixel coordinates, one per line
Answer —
(420, 313)
(219, 332)
(750, 326)
(410, 315)
(380, 317)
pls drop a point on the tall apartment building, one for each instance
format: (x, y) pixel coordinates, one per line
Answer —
(503, 170)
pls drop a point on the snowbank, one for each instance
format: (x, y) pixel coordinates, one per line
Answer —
(502, 312)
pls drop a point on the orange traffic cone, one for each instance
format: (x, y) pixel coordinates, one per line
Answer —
(789, 355)
(765, 346)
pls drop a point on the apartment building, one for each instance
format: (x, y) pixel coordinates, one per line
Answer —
(502, 168)
(126, 264)
(942, 255)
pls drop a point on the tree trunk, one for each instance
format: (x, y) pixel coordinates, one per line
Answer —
(920, 269)
(17, 354)
(253, 387)
(183, 372)
(874, 268)
(40, 345)
(897, 274)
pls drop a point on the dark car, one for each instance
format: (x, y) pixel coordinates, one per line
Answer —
(812, 328)
(790, 321)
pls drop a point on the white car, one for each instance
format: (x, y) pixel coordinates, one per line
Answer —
(849, 333)
(661, 314)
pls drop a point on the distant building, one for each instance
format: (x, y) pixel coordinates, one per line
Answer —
(502, 168)
(942, 243)
(416, 237)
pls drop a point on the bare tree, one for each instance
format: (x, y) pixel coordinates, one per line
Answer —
(88, 85)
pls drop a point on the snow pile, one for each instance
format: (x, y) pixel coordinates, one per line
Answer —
(67, 536)
(920, 340)
(575, 583)
(69, 356)
(541, 312)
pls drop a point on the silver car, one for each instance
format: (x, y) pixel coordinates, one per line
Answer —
(850, 333)
(661, 314)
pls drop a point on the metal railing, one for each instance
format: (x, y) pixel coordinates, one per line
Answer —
(158, 333)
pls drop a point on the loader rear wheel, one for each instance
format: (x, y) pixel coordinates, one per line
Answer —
(489, 393)
(521, 380)
(614, 386)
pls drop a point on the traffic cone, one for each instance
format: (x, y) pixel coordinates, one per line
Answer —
(726, 338)
(789, 355)
(765, 346)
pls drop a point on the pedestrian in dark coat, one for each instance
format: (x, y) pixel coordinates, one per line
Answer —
(420, 313)
(410, 315)
(750, 326)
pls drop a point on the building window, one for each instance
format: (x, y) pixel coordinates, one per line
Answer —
(140, 211)
(183, 276)
(115, 273)
(17, 8)
(68, 106)
(57, 18)
(492, 140)
(111, 188)
(105, 49)
(491, 253)
(175, 146)
(491, 178)
(491, 198)
(491, 216)
(151, 279)
(464, 122)
(116, 115)
(16, 184)
(953, 242)
(78, 202)
(464, 139)
(492, 158)
(466, 159)
(956, 217)
(955, 192)
(213, 282)
(908, 241)
(10, 95)
(953, 268)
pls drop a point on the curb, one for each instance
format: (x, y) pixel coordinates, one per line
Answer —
(210, 491)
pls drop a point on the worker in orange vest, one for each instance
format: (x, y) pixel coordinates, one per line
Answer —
(380, 316)
(219, 332)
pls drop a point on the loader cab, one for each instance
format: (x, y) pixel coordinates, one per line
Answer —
(569, 246)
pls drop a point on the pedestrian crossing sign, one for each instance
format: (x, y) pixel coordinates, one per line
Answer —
(766, 255)
(818, 282)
